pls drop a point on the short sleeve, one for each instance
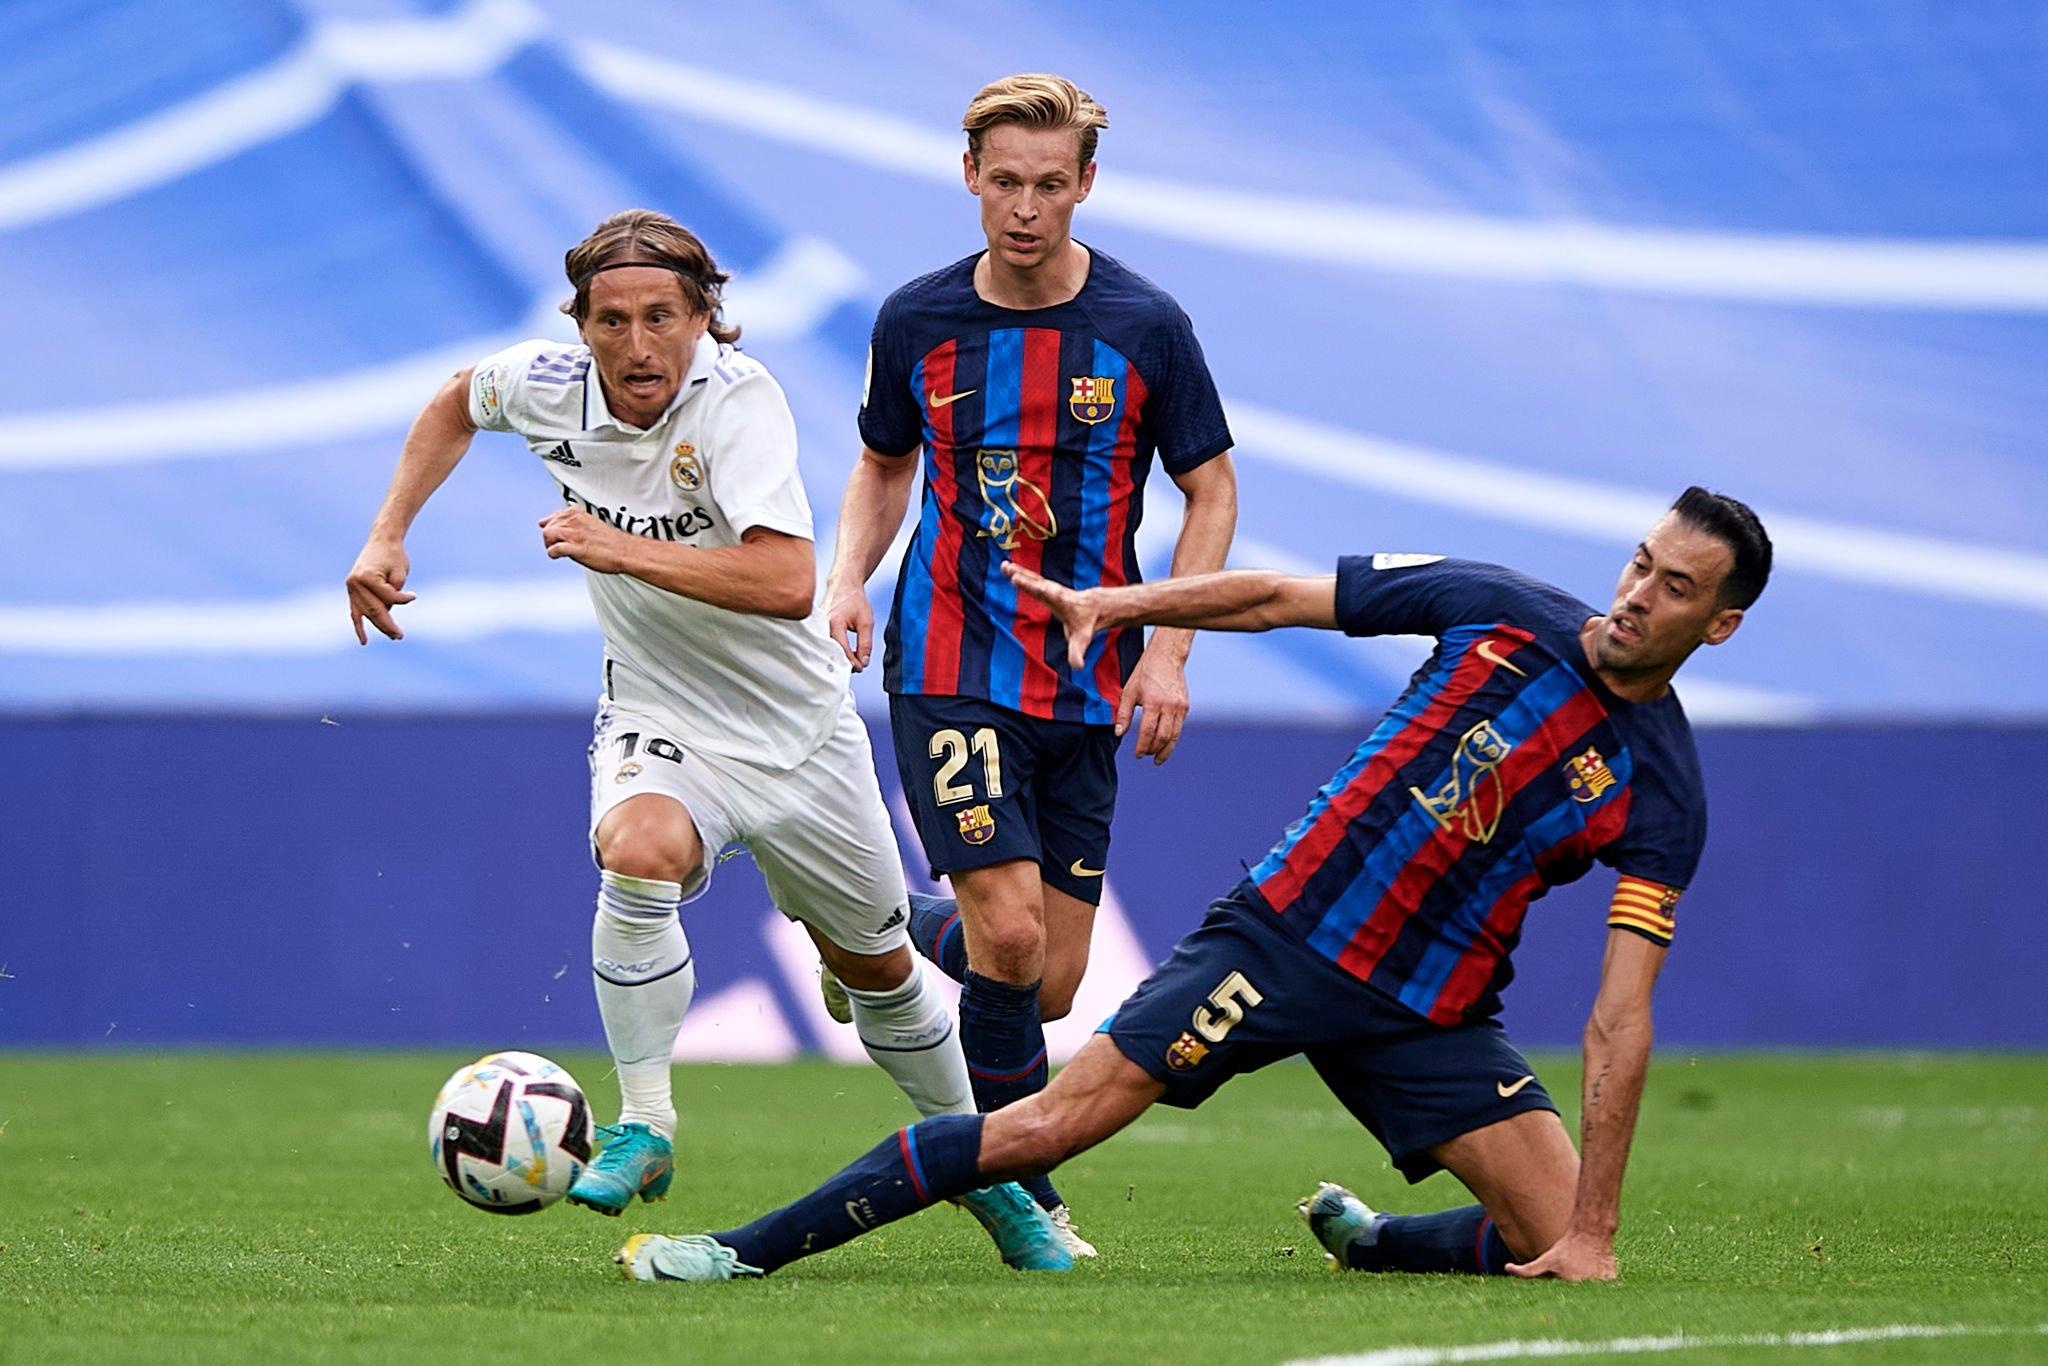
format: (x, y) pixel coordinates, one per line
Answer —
(891, 419)
(1426, 595)
(754, 477)
(530, 387)
(1185, 411)
(495, 386)
(1666, 831)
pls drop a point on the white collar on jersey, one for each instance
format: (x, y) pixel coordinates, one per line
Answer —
(596, 413)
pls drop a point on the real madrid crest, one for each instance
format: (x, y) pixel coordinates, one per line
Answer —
(684, 471)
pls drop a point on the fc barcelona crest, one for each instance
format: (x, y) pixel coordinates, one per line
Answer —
(977, 825)
(1590, 776)
(1093, 399)
(1185, 1052)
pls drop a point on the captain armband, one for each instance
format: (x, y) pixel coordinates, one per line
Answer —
(1644, 907)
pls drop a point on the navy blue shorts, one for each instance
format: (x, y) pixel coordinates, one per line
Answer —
(1240, 992)
(988, 785)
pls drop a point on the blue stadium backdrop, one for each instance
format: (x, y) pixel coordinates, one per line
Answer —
(1493, 280)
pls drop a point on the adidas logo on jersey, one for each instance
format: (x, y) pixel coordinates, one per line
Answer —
(562, 455)
(896, 918)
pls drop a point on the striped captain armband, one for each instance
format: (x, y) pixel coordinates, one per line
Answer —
(1645, 907)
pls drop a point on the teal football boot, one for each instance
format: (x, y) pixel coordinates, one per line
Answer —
(634, 1160)
(1340, 1221)
(698, 1257)
(1024, 1233)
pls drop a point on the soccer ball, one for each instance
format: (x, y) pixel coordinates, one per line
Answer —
(510, 1133)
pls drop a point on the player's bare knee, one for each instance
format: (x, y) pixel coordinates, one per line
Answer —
(1055, 999)
(1012, 949)
(640, 849)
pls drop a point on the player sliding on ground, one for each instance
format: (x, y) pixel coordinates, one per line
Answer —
(1375, 937)
(725, 716)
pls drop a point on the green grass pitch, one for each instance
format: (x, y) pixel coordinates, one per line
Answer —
(281, 1207)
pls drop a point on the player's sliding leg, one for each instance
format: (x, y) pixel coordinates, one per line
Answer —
(641, 964)
(941, 1158)
(1524, 1171)
(906, 1030)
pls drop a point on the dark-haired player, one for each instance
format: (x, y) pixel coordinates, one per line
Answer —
(1040, 378)
(1540, 737)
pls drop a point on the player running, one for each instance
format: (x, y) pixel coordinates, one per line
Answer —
(725, 716)
(1375, 937)
(1040, 377)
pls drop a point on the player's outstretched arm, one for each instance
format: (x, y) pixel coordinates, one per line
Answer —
(871, 512)
(1617, 1049)
(438, 440)
(1234, 600)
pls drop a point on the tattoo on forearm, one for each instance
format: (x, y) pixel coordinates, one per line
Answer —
(1599, 1082)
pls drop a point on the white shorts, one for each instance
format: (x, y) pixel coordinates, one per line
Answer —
(818, 831)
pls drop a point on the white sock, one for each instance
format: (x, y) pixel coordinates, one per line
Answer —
(640, 959)
(911, 1037)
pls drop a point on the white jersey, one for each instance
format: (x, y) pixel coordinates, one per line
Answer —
(720, 460)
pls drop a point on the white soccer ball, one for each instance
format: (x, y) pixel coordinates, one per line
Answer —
(510, 1132)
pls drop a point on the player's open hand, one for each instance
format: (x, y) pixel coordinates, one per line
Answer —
(375, 586)
(849, 615)
(1574, 1257)
(1076, 611)
(1159, 688)
(572, 533)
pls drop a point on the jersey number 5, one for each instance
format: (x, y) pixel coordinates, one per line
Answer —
(956, 747)
(1234, 995)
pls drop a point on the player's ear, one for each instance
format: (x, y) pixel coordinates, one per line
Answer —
(1722, 626)
(971, 172)
(1087, 182)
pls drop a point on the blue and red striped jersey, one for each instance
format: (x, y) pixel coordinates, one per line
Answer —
(1505, 769)
(1039, 428)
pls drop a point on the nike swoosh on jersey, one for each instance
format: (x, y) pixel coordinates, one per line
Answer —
(1507, 1090)
(940, 401)
(1079, 871)
(1488, 653)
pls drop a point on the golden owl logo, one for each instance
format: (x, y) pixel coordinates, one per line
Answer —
(1472, 798)
(1018, 509)
(1590, 776)
(684, 471)
(1093, 399)
(977, 825)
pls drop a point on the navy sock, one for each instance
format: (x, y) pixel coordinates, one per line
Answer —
(1005, 1046)
(935, 929)
(1456, 1240)
(910, 1170)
